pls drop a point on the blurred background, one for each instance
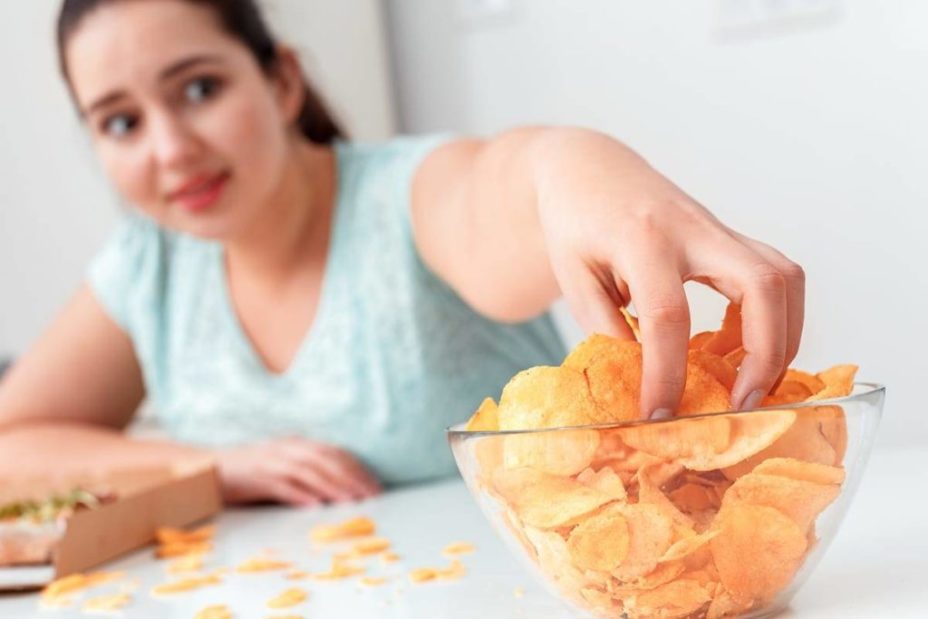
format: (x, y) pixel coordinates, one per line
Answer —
(800, 122)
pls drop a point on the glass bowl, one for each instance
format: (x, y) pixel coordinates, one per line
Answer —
(713, 515)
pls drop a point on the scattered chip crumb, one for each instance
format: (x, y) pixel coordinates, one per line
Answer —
(186, 584)
(458, 548)
(218, 611)
(354, 527)
(105, 603)
(372, 581)
(260, 564)
(290, 597)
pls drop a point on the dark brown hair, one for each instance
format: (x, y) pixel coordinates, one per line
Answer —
(241, 19)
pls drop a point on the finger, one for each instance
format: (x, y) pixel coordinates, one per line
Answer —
(349, 473)
(292, 462)
(335, 465)
(346, 463)
(289, 492)
(594, 300)
(746, 277)
(664, 322)
(795, 293)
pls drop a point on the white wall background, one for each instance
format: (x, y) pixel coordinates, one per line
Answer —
(55, 206)
(810, 133)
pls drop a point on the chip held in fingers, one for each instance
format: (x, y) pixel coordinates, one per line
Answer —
(709, 514)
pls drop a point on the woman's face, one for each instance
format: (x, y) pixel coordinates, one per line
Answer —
(187, 125)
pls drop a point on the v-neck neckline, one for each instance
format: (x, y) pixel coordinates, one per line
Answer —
(325, 291)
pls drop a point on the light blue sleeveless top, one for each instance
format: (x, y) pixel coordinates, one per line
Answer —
(394, 356)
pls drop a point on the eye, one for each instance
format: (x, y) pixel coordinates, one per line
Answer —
(201, 89)
(119, 125)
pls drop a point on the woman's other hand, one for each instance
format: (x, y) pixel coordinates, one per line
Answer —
(295, 471)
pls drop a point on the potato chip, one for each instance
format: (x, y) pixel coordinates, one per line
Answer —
(353, 527)
(547, 397)
(757, 550)
(614, 377)
(839, 382)
(699, 340)
(606, 481)
(554, 559)
(458, 548)
(171, 535)
(372, 581)
(546, 501)
(703, 393)
(370, 546)
(78, 582)
(340, 570)
(288, 598)
(703, 437)
(690, 498)
(181, 549)
(217, 611)
(583, 354)
(650, 532)
(106, 603)
(833, 427)
(486, 419)
(423, 574)
(750, 433)
(678, 598)
(660, 575)
(812, 382)
(186, 584)
(801, 500)
(803, 471)
(558, 453)
(297, 575)
(649, 491)
(724, 605)
(686, 546)
(632, 322)
(262, 564)
(389, 557)
(717, 366)
(453, 572)
(187, 563)
(789, 392)
(600, 542)
(728, 338)
(804, 440)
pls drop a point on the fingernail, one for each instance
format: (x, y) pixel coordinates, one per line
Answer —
(752, 400)
(662, 413)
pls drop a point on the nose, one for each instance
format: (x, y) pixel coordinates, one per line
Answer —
(174, 145)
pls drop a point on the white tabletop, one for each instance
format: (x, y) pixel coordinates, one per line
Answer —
(876, 566)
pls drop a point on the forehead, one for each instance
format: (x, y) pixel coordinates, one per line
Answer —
(125, 45)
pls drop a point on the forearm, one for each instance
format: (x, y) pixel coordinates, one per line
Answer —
(61, 449)
(507, 270)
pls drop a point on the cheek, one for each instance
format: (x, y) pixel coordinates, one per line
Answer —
(130, 173)
(250, 136)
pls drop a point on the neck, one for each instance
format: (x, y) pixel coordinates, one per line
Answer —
(294, 223)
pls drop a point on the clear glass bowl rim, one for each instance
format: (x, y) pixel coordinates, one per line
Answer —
(457, 431)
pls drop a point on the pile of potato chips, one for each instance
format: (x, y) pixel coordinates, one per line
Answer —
(697, 516)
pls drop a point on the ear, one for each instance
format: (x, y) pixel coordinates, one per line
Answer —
(288, 79)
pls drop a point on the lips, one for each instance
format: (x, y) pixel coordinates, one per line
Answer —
(199, 193)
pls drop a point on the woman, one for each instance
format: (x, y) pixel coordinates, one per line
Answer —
(314, 312)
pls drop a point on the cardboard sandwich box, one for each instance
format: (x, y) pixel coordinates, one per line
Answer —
(76, 523)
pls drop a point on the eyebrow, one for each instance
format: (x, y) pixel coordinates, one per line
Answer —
(178, 67)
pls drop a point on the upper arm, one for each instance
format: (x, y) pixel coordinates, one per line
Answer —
(476, 226)
(82, 369)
